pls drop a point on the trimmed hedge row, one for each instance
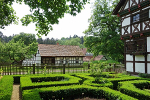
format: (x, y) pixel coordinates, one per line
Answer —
(26, 83)
(112, 82)
(123, 78)
(90, 81)
(133, 88)
(74, 91)
(6, 87)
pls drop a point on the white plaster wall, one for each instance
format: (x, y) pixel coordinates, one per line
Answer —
(129, 57)
(134, 28)
(122, 31)
(29, 62)
(133, 3)
(80, 58)
(127, 30)
(148, 57)
(136, 12)
(38, 59)
(148, 44)
(146, 7)
(126, 21)
(127, 5)
(129, 66)
(139, 58)
(140, 67)
(147, 28)
(148, 68)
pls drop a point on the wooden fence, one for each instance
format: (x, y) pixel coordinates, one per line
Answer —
(53, 69)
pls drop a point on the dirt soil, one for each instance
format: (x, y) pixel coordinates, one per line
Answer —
(16, 95)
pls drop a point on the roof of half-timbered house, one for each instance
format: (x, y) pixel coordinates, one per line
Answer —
(119, 5)
(127, 6)
(59, 50)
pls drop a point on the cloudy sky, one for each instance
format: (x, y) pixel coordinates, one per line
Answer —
(68, 26)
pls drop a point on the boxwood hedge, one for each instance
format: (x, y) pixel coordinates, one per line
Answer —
(73, 91)
(26, 83)
(6, 87)
(135, 89)
(112, 82)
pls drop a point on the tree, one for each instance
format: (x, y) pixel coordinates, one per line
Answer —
(44, 13)
(7, 13)
(72, 41)
(103, 33)
(20, 47)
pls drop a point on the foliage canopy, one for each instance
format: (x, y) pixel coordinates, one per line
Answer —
(44, 13)
(103, 33)
(20, 47)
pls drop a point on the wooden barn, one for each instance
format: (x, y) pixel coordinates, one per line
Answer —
(135, 32)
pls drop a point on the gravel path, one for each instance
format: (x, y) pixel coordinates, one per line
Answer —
(16, 92)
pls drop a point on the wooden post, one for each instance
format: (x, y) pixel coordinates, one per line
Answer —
(88, 67)
(33, 68)
(10, 69)
(63, 68)
(114, 67)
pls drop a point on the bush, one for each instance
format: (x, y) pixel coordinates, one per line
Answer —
(106, 61)
(6, 87)
(26, 82)
(133, 88)
(144, 75)
(74, 91)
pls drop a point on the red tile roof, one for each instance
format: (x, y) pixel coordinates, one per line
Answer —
(84, 50)
(88, 58)
(59, 50)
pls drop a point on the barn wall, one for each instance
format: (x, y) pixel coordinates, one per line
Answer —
(68, 60)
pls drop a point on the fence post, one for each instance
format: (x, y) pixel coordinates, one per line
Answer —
(88, 67)
(114, 67)
(33, 68)
(63, 68)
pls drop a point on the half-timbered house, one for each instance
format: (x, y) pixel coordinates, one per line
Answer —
(56, 55)
(135, 32)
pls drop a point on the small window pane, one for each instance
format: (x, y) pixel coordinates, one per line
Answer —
(136, 18)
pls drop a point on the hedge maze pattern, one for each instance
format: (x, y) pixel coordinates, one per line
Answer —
(109, 86)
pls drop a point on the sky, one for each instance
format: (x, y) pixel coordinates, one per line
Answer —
(68, 26)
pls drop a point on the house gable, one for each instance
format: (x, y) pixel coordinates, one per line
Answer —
(125, 7)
